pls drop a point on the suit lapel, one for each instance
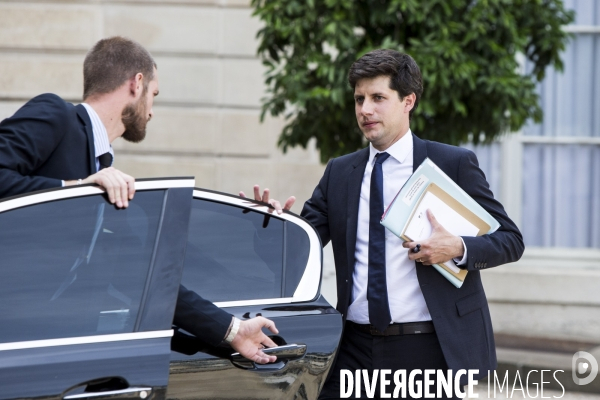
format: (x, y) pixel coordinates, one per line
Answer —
(87, 124)
(419, 152)
(355, 177)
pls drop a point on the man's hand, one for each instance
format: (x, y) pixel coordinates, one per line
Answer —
(272, 202)
(250, 340)
(440, 247)
(119, 186)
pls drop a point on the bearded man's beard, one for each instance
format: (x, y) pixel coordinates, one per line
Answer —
(135, 118)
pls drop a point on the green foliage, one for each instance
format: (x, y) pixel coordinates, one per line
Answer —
(467, 50)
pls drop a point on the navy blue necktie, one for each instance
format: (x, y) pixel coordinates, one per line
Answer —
(379, 309)
(105, 160)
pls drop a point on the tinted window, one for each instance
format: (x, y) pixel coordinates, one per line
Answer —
(75, 267)
(238, 254)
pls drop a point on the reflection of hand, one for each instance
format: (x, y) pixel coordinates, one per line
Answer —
(119, 186)
(440, 247)
(250, 339)
(272, 202)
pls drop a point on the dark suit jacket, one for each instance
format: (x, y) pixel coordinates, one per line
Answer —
(49, 140)
(46, 141)
(461, 316)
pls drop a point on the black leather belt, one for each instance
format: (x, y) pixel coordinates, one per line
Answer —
(408, 328)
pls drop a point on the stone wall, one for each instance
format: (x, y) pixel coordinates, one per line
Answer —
(206, 118)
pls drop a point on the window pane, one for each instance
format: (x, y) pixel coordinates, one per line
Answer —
(561, 195)
(233, 253)
(571, 98)
(75, 267)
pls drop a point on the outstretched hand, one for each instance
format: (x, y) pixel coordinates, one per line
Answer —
(250, 339)
(275, 204)
(440, 247)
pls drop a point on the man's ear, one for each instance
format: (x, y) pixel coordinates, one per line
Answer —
(410, 102)
(136, 84)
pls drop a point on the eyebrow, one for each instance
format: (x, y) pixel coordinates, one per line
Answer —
(372, 95)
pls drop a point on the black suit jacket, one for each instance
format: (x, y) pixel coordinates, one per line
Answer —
(49, 140)
(46, 141)
(461, 316)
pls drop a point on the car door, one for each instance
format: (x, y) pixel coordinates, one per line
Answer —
(88, 291)
(252, 263)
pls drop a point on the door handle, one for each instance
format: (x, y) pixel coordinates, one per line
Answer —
(130, 393)
(283, 353)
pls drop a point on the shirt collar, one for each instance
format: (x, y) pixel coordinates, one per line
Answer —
(399, 150)
(101, 142)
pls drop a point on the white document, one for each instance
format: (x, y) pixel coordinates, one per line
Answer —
(419, 227)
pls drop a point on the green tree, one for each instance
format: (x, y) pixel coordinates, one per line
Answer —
(468, 52)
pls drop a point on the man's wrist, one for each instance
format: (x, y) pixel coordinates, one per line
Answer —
(234, 327)
(72, 183)
(462, 258)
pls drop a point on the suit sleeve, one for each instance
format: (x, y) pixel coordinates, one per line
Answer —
(315, 209)
(200, 317)
(501, 247)
(27, 140)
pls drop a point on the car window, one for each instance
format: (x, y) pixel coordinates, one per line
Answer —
(75, 267)
(235, 253)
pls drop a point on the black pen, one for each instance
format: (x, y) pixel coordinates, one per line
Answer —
(417, 248)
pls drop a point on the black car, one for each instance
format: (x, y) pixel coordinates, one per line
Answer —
(88, 294)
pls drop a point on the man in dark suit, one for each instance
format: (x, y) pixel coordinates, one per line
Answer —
(399, 312)
(50, 143)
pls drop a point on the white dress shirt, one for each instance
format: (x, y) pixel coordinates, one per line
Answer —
(406, 300)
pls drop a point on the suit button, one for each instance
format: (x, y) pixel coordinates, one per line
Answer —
(346, 280)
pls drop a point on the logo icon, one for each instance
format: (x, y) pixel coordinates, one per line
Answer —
(584, 363)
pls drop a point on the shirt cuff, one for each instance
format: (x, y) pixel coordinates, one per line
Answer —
(233, 330)
(463, 260)
(62, 184)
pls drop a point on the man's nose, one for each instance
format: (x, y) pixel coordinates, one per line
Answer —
(367, 107)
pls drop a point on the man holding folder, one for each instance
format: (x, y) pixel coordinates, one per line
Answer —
(399, 312)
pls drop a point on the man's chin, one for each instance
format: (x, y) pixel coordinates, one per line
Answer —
(371, 136)
(134, 138)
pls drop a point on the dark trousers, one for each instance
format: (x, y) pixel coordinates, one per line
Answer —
(362, 351)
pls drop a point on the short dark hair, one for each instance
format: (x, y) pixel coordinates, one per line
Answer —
(405, 75)
(111, 62)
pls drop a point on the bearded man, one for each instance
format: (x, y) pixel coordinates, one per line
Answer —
(50, 143)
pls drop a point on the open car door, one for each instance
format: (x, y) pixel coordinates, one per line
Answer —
(88, 291)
